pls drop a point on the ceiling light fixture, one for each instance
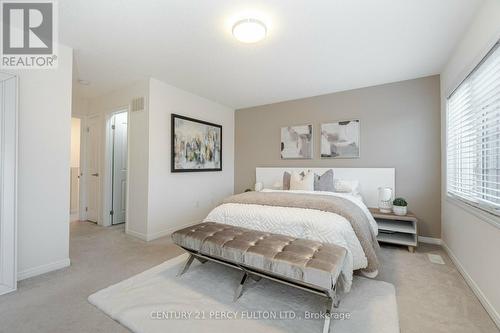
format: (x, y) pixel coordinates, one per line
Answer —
(249, 30)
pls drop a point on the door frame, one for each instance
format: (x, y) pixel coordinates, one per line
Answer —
(8, 194)
(82, 199)
(82, 214)
(83, 167)
(107, 202)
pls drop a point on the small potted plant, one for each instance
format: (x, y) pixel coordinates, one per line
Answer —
(400, 206)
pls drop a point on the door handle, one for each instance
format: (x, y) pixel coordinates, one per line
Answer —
(95, 175)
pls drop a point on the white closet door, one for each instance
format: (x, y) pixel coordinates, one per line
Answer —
(119, 168)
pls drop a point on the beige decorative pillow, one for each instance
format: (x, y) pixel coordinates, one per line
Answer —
(305, 183)
(286, 180)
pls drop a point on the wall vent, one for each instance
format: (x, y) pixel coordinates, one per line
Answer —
(137, 104)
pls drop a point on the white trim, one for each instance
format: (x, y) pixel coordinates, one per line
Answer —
(5, 289)
(430, 240)
(159, 234)
(475, 288)
(42, 269)
(168, 231)
(8, 190)
(82, 196)
(81, 191)
(478, 212)
(139, 235)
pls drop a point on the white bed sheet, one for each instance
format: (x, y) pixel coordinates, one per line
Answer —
(301, 223)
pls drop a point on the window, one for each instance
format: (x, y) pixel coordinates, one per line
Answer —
(473, 136)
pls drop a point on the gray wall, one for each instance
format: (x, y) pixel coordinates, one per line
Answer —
(400, 128)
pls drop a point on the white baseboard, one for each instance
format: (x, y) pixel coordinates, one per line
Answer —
(162, 233)
(4, 289)
(42, 269)
(475, 288)
(168, 231)
(139, 235)
(430, 240)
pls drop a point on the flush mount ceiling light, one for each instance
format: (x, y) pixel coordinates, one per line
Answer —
(249, 30)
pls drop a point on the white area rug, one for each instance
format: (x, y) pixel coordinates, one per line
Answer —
(201, 301)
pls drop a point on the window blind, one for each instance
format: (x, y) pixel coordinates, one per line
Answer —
(473, 136)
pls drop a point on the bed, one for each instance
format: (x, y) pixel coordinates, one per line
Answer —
(330, 217)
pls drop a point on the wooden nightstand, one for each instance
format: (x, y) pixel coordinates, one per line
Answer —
(396, 229)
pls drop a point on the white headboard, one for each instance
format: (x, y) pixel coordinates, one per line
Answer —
(370, 179)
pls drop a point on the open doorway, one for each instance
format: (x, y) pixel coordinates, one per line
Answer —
(118, 152)
(104, 186)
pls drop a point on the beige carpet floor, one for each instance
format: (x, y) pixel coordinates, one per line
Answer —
(431, 297)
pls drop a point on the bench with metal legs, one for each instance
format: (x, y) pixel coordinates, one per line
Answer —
(333, 299)
(188, 263)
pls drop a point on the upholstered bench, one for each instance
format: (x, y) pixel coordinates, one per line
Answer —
(309, 265)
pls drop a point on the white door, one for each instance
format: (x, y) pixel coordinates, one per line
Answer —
(119, 168)
(92, 177)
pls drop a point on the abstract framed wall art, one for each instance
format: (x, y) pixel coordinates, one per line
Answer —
(196, 145)
(340, 139)
(297, 142)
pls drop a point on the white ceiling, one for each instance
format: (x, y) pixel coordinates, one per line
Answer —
(313, 46)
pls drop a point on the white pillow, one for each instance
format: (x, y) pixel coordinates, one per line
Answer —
(346, 186)
(306, 183)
